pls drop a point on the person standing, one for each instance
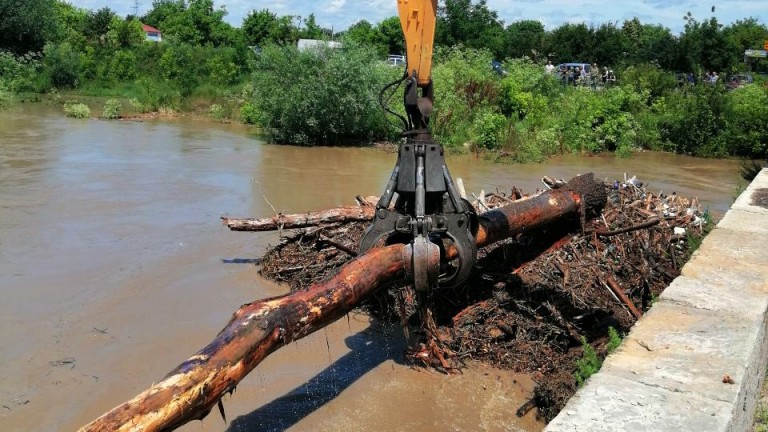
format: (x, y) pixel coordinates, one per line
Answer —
(549, 68)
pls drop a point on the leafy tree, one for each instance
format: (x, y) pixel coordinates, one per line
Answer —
(62, 64)
(746, 34)
(472, 25)
(524, 38)
(319, 104)
(26, 25)
(609, 45)
(162, 10)
(704, 44)
(311, 29)
(570, 43)
(70, 24)
(125, 33)
(258, 26)
(391, 34)
(657, 44)
(97, 24)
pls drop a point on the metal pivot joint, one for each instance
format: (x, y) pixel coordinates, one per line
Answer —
(428, 213)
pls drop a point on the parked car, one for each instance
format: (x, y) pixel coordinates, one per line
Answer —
(584, 66)
(738, 80)
(395, 60)
(498, 68)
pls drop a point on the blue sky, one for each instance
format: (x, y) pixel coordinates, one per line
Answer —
(340, 14)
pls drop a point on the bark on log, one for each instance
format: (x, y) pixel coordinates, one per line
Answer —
(190, 391)
(301, 220)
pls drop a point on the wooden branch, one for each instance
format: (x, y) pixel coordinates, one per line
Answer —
(647, 224)
(302, 220)
(616, 288)
(257, 329)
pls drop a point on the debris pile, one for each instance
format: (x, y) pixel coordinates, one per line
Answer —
(533, 301)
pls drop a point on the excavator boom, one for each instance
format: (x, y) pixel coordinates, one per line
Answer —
(418, 18)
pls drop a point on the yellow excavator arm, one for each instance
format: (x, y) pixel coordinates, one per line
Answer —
(418, 18)
(428, 212)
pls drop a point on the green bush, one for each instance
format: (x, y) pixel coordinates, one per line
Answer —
(153, 95)
(5, 95)
(179, 66)
(249, 114)
(465, 85)
(62, 64)
(326, 96)
(614, 340)
(693, 121)
(216, 112)
(489, 130)
(588, 364)
(123, 66)
(112, 109)
(746, 111)
(77, 110)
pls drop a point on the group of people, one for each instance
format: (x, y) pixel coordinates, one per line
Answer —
(577, 75)
(691, 79)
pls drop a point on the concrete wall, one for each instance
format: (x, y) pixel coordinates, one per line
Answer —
(696, 360)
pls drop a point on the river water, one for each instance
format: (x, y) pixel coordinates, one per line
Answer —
(114, 268)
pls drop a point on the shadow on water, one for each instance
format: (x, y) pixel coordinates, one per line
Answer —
(369, 348)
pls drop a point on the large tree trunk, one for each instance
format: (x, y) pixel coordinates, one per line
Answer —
(191, 390)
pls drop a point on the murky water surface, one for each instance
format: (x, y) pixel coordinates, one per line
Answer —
(114, 268)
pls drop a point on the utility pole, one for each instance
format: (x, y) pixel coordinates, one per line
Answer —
(136, 8)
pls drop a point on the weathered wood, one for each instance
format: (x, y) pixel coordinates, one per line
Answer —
(257, 329)
(301, 220)
(616, 288)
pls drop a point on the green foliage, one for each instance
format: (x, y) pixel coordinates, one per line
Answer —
(320, 104)
(179, 67)
(588, 364)
(62, 64)
(26, 25)
(463, 22)
(746, 112)
(614, 340)
(465, 85)
(125, 33)
(154, 95)
(648, 77)
(216, 112)
(123, 66)
(249, 114)
(193, 22)
(97, 24)
(524, 38)
(693, 121)
(391, 35)
(112, 109)
(77, 110)
(6, 96)
(489, 130)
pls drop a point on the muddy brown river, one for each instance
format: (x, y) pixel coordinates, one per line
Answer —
(114, 268)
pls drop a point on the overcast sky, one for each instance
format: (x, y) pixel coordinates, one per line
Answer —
(340, 14)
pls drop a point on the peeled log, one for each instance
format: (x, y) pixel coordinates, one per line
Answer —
(301, 220)
(257, 329)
